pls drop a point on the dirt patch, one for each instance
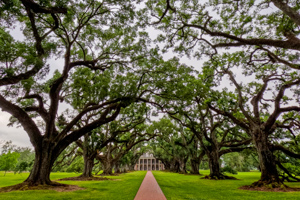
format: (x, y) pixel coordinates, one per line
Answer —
(268, 189)
(219, 178)
(56, 187)
(79, 178)
(115, 174)
(67, 189)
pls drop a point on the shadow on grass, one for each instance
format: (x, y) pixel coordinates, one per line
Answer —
(59, 187)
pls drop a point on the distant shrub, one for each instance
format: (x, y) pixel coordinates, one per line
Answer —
(229, 170)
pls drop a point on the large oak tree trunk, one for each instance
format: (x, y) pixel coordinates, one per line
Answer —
(182, 166)
(88, 167)
(88, 157)
(214, 165)
(195, 163)
(269, 173)
(177, 167)
(174, 166)
(131, 167)
(117, 167)
(167, 165)
(44, 160)
(40, 173)
(107, 168)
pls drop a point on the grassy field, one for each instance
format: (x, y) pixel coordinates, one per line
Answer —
(191, 187)
(123, 187)
(175, 187)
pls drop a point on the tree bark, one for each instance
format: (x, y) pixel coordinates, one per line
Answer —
(88, 167)
(131, 167)
(117, 167)
(167, 165)
(214, 165)
(195, 163)
(89, 156)
(212, 153)
(44, 160)
(182, 165)
(269, 173)
(176, 167)
(107, 167)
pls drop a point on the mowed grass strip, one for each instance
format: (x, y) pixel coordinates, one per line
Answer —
(124, 186)
(192, 187)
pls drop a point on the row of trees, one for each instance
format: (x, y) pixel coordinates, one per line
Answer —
(252, 39)
(73, 159)
(106, 66)
(13, 158)
(181, 151)
(256, 115)
(111, 76)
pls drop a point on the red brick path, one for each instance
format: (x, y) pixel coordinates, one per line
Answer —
(149, 189)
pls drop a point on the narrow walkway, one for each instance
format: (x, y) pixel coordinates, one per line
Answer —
(149, 189)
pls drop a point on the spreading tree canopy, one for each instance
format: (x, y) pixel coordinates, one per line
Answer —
(91, 39)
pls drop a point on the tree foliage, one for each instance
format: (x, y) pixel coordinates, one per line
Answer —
(8, 161)
(109, 70)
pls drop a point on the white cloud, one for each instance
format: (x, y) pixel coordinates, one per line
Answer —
(17, 135)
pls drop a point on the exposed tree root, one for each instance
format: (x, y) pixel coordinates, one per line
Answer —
(220, 177)
(114, 174)
(84, 178)
(52, 186)
(271, 186)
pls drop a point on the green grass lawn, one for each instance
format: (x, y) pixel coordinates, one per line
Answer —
(124, 186)
(179, 186)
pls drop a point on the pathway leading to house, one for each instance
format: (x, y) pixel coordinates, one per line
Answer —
(149, 189)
